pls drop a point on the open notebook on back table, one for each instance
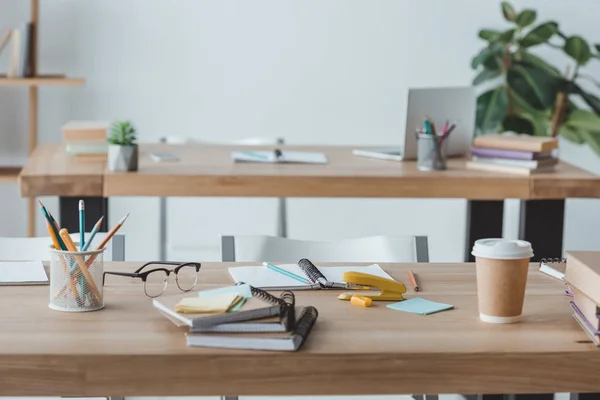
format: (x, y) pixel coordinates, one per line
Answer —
(262, 312)
(316, 278)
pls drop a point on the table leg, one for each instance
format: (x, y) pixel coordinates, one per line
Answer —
(484, 220)
(541, 223)
(95, 207)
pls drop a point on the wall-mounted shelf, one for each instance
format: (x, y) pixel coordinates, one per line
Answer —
(9, 174)
(41, 81)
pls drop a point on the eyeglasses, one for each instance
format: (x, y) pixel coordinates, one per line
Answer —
(156, 279)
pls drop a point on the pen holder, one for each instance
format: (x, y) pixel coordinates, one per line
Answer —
(431, 152)
(76, 280)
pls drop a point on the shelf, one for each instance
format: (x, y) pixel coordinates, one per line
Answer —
(9, 174)
(42, 81)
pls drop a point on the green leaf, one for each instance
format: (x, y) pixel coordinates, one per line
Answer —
(584, 120)
(571, 134)
(491, 109)
(508, 11)
(489, 34)
(493, 50)
(485, 75)
(591, 100)
(507, 36)
(540, 34)
(535, 86)
(578, 49)
(533, 61)
(518, 124)
(597, 47)
(526, 18)
(494, 63)
(592, 139)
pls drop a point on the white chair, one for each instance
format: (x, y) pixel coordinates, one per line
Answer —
(367, 249)
(252, 141)
(37, 248)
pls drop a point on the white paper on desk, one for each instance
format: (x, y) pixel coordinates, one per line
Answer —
(290, 157)
(23, 273)
(263, 277)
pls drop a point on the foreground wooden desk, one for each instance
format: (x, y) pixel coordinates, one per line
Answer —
(209, 171)
(128, 349)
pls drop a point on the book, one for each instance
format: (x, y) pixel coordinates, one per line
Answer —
(582, 323)
(15, 57)
(318, 277)
(287, 341)
(27, 53)
(87, 131)
(253, 309)
(529, 164)
(516, 142)
(5, 38)
(382, 154)
(583, 273)
(553, 267)
(23, 273)
(510, 154)
(285, 157)
(587, 308)
(481, 166)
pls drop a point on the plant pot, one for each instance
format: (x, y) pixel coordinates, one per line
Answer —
(122, 158)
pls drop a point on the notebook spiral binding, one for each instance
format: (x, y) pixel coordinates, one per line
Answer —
(553, 260)
(311, 270)
(287, 303)
(306, 322)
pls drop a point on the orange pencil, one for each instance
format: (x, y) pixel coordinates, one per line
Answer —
(112, 232)
(413, 281)
(64, 234)
(62, 260)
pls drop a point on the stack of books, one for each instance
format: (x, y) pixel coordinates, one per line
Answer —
(512, 153)
(22, 50)
(250, 318)
(583, 276)
(86, 138)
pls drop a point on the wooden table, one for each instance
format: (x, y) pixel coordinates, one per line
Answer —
(209, 171)
(129, 349)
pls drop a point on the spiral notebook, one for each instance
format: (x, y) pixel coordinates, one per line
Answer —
(244, 320)
(288, 341)
(554, 267)
(319, 278)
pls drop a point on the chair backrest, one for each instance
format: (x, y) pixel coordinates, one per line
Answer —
(36, 248)
(368, 249)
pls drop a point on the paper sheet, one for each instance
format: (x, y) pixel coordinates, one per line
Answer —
(421, 306)
(23, 273)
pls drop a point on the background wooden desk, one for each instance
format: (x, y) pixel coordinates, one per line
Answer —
(128, 349)
(209, 171)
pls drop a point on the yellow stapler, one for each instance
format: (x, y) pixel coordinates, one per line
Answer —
(389, 289)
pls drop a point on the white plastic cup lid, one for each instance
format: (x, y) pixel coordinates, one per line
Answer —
(502, 249)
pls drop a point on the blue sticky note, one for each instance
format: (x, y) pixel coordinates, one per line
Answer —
(242, 290)
(421, 306)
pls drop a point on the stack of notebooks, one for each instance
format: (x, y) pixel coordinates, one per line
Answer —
(22, 50)
(86, 138)
(583, 276)
(240, 317)
(512, 153)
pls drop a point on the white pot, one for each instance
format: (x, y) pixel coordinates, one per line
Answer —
(122, 158)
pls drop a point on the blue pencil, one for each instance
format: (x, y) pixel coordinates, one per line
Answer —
(81, 225)
(92, 234)
(286, 273)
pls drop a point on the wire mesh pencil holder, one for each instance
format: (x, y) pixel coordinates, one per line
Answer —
(76, 280)
(431, 152)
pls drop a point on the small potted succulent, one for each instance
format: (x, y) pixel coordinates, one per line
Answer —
(122, 148)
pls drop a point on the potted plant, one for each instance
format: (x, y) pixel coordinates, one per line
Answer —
(523, 93)
(122, 148)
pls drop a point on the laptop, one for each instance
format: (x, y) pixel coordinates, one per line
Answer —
(455, 104)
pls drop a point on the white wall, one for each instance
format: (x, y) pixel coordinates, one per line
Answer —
(313, 71)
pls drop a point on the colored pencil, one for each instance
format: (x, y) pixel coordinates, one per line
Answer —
(286, 273)
(112, 232)
(53, 226)
(93, 233)
(413, 281)
(81, 224)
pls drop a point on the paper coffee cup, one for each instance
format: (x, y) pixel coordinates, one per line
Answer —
(502, 267)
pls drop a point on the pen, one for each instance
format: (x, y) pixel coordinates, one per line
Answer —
(413, 281)
(81, 225)
(427, 125)
(286, 273)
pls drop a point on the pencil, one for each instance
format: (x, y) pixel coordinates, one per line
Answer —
(82, 265)
(109, 236)
(93, 233)
(413, 281)
(68, 276)
(286, 273)
(52, 225)
(81, 225)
